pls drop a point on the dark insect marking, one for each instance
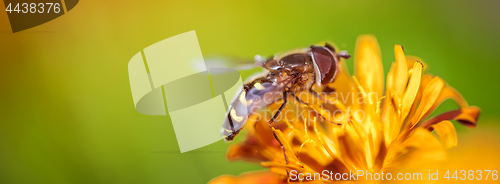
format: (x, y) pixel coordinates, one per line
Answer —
(230, 121)
(232, 136)
(249, 86)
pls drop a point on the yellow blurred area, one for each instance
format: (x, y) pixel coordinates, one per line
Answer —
(477, 150)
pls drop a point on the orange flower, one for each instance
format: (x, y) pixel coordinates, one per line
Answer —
(378, 132)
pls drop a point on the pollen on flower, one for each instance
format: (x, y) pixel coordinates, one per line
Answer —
(363, 121)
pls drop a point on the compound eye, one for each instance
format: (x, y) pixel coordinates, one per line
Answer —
(326, 63)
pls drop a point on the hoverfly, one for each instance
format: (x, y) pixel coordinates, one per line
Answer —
(286, 75)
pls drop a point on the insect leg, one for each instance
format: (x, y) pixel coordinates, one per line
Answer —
(285, 95)
(315, 93)
(307, 104)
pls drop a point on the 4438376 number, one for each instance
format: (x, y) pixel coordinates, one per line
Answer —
(33, 8)
(472, 175)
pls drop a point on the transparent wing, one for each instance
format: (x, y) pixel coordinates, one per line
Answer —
(240, 64)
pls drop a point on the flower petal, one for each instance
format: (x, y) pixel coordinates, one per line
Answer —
(429, 97)
(424, 82)
(410, 61)
(467, 116)
(389, 109)
(249, 150)
(401, 73)
(352, 146)
(379, 159)
(446, 132)
(368, 67)
(431, 100)
(411, 90)
(420, 148)
(264, 177)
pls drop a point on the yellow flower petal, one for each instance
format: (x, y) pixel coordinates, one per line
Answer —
(467, 116)
(368, 65)
(431, 100)
(263, 177)
(411, 90)
(429, 97)
(420, 148)
(410, 61)
(424, 82)
(352, 145)
(288, 149)
(446, 132)
(401, 73)
(249, 151)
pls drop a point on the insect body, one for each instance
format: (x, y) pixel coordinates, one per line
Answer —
(287, 75)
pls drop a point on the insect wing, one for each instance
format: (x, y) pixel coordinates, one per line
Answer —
(227, 62)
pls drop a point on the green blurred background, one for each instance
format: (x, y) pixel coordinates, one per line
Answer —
(66, 110)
